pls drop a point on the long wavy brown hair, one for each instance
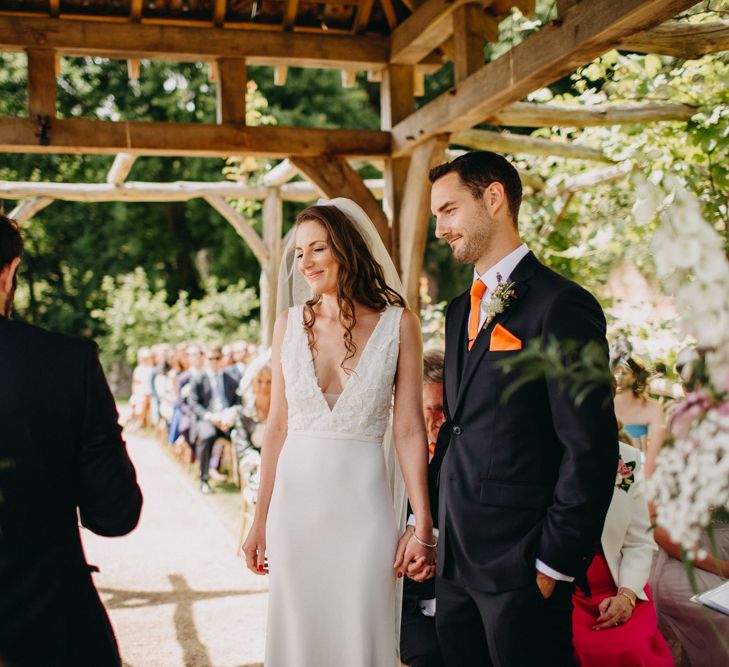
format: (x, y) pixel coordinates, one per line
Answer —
(360, 278)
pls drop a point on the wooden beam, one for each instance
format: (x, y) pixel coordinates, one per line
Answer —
(425, 29)
(133, 69)
(532, 114)
(419, 83)
(41, 83)
(54, 7)
(397, 101)
(390, 15)
(468, 36)
(304, 191)
(272, 228)
(588, 179)
(120, 168)
(280, 74)
(349, 78)
(681, 40)
(135, 10)
(219, 9)
(291, 9)
(132, 191)
(335, 178)
(588, 30)
(415, 215)
(282, 173)
(241, 225)
(18, 135)
(563, 6)
(28, 208)
(231, 87)
(505, 142)
(362, 17)
(183, 44)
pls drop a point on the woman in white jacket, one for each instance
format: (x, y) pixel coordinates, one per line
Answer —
(617, 626)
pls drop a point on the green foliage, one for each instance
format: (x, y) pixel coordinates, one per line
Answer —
(138, 314)
(577, 370)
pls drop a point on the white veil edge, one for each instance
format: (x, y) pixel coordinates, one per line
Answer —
(294, 291)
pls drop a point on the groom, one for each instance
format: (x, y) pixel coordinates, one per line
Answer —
(525, 484)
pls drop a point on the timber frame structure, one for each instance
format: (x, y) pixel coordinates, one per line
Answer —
(396, 41)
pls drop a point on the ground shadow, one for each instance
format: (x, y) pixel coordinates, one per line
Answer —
(183, 597)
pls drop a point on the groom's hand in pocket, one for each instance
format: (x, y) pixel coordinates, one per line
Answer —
(545, 585)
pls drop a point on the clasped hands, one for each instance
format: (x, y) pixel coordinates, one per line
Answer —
(413, 558)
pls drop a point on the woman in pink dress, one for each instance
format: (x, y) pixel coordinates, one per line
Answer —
(617, 626)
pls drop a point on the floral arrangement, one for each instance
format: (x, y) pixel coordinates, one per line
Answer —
(690, 485)
(499, 299)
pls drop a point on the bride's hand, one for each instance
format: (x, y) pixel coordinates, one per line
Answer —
(254, 549)
(413, 558)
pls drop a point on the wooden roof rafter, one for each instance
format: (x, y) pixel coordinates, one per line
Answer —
(586, 31)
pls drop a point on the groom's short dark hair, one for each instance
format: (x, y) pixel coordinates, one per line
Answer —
(478, 169)
(11, 242)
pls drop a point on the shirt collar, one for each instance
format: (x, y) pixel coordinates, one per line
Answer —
(504, 267)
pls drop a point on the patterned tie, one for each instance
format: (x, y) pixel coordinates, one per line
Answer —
(478, 289)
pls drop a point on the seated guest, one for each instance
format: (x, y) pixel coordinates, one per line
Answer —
(618, 624)
(238, 369)
(210, 394)
(644, 418)
(249, 426)
(418, 640)
(141, 398)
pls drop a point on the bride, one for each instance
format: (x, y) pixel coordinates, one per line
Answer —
(325, 525)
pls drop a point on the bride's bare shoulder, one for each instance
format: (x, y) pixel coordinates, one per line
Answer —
(409, 326)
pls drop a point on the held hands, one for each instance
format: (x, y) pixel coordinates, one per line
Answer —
(615, 610)
(254, 550)
(413, 558)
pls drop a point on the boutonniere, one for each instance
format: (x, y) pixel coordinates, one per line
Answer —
(498, 300)
(626, 474)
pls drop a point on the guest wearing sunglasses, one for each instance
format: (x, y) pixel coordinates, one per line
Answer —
(210, 394)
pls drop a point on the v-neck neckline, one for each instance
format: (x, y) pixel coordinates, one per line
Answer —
(354, 372)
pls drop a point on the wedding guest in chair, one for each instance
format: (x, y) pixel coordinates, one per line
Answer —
(617, 625)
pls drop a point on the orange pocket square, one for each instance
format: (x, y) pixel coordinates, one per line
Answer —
(502, 340)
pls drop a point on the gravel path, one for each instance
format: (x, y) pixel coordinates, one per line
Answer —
(175, 591)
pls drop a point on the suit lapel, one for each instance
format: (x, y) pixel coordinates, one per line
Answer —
(521, 275)
(455, 330)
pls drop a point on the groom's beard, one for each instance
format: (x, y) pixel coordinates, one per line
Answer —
(475, 245)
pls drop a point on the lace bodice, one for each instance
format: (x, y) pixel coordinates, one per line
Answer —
(363, 408)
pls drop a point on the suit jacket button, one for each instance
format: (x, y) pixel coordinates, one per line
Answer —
(457, 430)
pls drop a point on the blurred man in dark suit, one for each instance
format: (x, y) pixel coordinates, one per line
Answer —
(61, 455)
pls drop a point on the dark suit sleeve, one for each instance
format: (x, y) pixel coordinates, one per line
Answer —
(194, 399)
(589, 438)
(109, 498)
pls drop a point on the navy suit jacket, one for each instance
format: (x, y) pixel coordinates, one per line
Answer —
(530, 478)
(61, 455)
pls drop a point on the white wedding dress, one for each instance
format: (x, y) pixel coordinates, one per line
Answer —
(331, 533)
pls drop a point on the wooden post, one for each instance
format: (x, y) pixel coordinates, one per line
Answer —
(272, 228)
(397, 101)
(41, 83)
(231, 90)
(415, 215)
(468, 36)
(335, 178)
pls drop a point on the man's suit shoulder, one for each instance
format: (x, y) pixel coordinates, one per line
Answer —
(553, 288)
(47, 344)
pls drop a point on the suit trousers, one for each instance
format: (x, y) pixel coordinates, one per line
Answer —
(207, 434)
(517, 628)
(418, 639)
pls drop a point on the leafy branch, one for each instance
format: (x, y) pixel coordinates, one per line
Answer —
(575, 368)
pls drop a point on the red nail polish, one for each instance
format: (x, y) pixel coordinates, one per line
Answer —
(260, 568)
(399, 575)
